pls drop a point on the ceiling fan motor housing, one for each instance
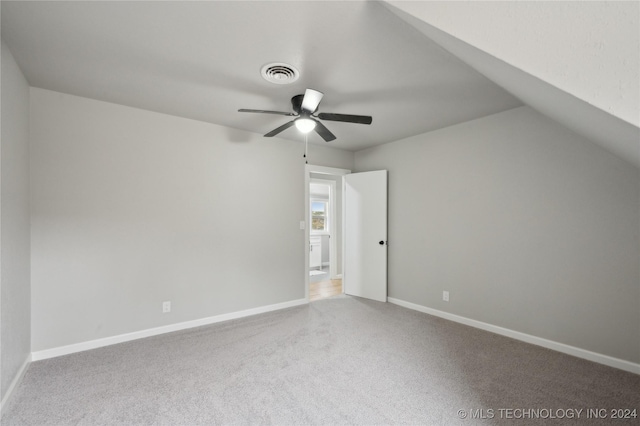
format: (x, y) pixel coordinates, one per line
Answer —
(296, 103)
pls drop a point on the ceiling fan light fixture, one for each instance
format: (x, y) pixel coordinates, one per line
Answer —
(305, 125)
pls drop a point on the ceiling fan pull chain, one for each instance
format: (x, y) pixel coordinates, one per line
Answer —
(305, 149)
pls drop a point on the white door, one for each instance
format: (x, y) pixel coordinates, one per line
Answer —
(365, 265)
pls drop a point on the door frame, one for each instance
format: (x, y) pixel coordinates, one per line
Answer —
(308, 169)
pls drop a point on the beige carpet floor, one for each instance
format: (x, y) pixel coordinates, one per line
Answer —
(341, 360)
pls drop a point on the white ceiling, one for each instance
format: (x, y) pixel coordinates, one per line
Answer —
(202, 60)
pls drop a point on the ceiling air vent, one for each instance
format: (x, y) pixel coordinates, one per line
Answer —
(280, 73)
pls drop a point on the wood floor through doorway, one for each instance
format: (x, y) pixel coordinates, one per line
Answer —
(323, 289)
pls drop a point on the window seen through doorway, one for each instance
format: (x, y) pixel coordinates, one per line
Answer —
(319, 219)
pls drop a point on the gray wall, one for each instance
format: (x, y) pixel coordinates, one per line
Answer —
(131, 208)
(15, 306)
(527, 225)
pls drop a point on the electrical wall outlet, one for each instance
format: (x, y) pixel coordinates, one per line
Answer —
(302, 224)
(166, 307)
(445, 296)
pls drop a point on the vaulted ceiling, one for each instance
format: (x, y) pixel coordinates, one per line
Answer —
(202, 60)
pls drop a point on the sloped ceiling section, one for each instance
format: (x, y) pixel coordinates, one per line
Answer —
(597, 115)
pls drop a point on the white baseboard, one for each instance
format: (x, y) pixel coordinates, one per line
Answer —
(549, 344)
(98, 343)
(16, 381)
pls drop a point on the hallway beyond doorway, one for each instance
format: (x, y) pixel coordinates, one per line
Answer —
(322, 289)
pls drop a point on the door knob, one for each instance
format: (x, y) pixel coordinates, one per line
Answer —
(381, 243)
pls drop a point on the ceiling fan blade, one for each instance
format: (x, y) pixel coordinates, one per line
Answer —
(264, 111)
(311, 100)
(347, 118)
(324, 132)
(279, 129)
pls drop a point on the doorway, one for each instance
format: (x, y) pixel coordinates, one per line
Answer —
(324, 231)
(363, 238)
(324, 276)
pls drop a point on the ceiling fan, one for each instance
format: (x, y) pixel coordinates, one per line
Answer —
(304, 107)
